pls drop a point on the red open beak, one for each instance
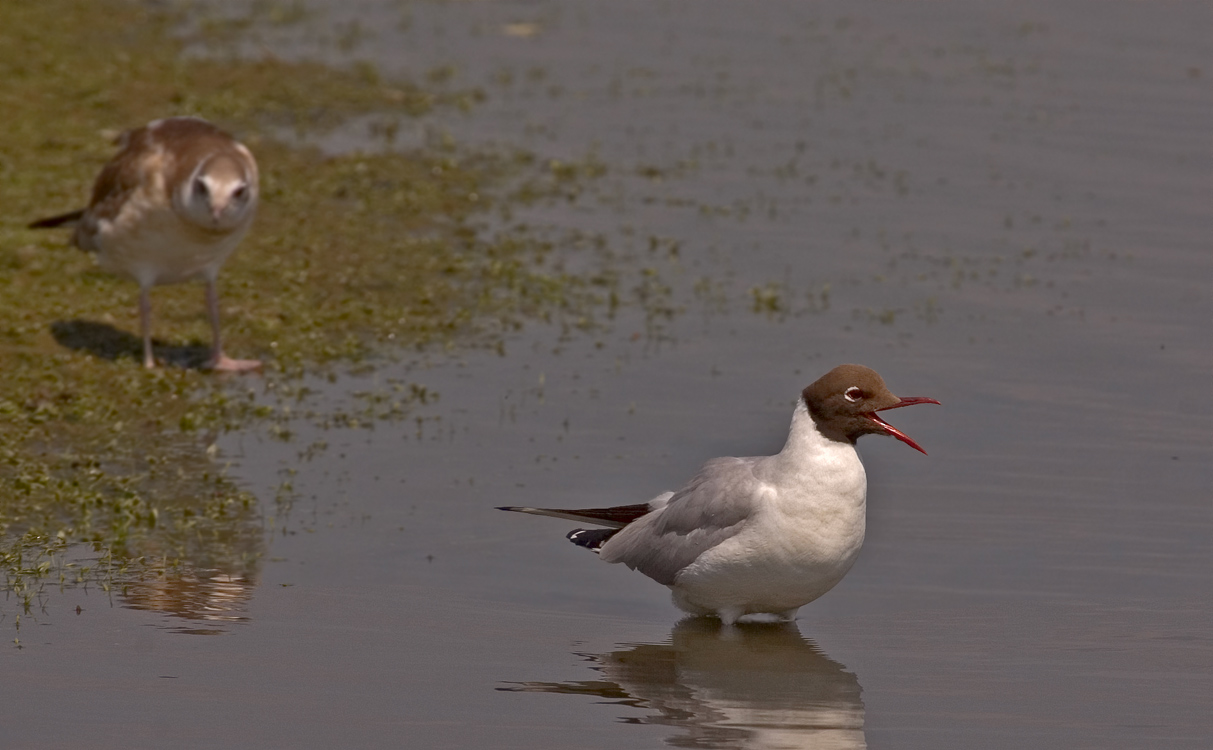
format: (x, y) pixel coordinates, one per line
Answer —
(889, 429)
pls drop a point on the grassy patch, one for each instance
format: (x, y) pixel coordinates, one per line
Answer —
(351, 256)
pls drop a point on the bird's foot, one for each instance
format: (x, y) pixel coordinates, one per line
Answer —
(224, 363)
(729, 615)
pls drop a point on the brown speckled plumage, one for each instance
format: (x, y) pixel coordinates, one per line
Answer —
(171, 206)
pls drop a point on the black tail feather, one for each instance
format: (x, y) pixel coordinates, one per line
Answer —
(619, 516)
(51, 222)
(591, 539)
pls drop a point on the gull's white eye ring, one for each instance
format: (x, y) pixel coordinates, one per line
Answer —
(853, 394)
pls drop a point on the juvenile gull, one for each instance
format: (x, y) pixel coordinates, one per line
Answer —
(765, 534)
(171, 206)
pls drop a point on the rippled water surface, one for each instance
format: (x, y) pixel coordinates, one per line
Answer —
(1007, 209)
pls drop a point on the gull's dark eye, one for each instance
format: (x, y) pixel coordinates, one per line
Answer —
(240, 193)
(853, 394)
(200, 188)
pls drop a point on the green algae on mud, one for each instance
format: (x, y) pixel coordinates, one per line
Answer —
(351, 256)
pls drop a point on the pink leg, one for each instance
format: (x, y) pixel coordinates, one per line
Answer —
(218, 360)
(145, 325)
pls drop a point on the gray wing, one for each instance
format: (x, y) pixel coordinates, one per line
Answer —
(714, 506)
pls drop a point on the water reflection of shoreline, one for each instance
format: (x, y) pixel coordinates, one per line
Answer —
(758, 685)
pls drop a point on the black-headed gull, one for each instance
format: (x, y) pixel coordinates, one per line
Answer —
(765, 534)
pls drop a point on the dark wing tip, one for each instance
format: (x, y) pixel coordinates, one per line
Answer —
(591, 539)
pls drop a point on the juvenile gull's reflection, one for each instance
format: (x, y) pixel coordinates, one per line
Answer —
(208, 586)
(208, 598)
(755, 685)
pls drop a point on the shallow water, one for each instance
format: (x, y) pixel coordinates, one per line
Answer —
(1005, 210)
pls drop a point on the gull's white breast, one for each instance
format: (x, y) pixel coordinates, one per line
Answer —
(805, 533)
(149, 242)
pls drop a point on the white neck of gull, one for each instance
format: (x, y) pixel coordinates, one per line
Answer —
(809, 458)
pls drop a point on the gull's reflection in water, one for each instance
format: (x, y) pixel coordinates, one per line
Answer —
(755, 685)
(209, 571)
(203, 598)
(210, 600)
